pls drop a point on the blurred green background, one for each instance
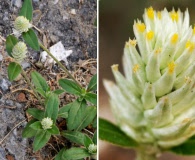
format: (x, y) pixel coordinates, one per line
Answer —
(116, 18)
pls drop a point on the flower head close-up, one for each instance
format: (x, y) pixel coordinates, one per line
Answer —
(154, 102)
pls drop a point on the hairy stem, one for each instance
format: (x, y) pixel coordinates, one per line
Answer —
(59, 63)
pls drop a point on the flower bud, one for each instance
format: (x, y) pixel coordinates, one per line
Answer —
(92, 149)
(47, 123)
(154, 102)
(22, 24)
(19, 52)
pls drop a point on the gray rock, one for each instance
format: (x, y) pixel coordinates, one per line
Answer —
(9, 102)
(17, 3)
(25, 65)
(2, 154)
(1, 57)
(4, 85)
(17, 146)
(18, 105)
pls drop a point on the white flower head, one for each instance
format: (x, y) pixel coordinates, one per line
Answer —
(154, 102)
(47, 123)
(92, 148)
(22, 24)
(19, 52)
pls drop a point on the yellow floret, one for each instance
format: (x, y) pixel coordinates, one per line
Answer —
(114, 67)
(141, 27)
(190, 45)
(135, 68)
(174, 16)
(131, 43)
(150, 13)
(174, 38)
(171, 67)
(150, 35)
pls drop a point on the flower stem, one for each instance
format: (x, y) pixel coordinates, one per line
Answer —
(29, 83)
(142, 155)
(59, 63)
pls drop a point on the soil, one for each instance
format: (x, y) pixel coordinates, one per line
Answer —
(73, 23)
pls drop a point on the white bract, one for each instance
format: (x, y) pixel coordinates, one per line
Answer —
(47, 123)
(19, 52)
(154, 103)
(22, 24)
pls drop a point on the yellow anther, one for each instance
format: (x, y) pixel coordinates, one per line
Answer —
(135, 68)
(141, 27)
(171, 67)
(190, 45)
(114, 67)
(150, 13)
(174, 38)
(174, 16)
(159, 15)
(131, 43)
(194, 30)
(150, 35)
(158, 51)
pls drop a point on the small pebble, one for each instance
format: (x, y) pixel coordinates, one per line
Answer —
(73, 11)
(4, 85)
(17, 3)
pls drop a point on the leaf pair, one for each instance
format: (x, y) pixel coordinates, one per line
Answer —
(79, 115)
(76, 153)
(73, 88)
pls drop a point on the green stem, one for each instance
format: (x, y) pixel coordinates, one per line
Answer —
(29, 83)
(142, 155)
(59, 63)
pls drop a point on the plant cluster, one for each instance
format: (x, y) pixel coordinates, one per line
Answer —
(78, 114)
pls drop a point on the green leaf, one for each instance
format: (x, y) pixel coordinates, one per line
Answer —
(92, 84)
(87, 141)
(36, 113)
(58, 91)
(95, 138)
(80, 115)
(39, 81)
(41, 92)
(59, 155)
(91, 97)
(70, 86)
(86, 117)
(111, 133)
(94, 123)
(63, 111)
(41, 138)
(52, 107)
(13, 70)
(28, 132)
(27, 9)
(74, 136)
(36, 125)
(187, 148)
(31, 39)
(54, 130)
(11, 41)
(75, 153)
